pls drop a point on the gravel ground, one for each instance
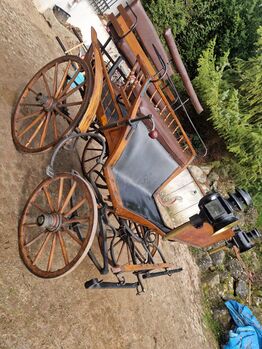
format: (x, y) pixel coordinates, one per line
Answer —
(43, 314)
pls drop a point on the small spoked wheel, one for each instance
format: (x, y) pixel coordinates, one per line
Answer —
(52, 104)
(126, 248)
(57, 226)
(91, 154)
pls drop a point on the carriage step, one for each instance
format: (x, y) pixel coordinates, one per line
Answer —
(161, 273)
(99, 284)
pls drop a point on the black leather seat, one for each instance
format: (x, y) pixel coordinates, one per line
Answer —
(142, 168)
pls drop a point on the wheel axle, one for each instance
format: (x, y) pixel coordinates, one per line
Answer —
(51, 222)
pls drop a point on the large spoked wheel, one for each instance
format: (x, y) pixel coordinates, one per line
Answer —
(52, 104)
(91, 153)
(57, 226)
(125, 248)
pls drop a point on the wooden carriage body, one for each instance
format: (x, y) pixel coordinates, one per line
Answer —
(137, 165)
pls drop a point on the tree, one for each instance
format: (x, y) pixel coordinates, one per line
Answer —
(195, 23)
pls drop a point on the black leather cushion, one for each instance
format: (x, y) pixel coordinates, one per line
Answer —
(142, 168)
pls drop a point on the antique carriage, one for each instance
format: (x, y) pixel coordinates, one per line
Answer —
(134, 146)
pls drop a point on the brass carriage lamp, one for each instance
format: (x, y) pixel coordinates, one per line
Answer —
(216, 222)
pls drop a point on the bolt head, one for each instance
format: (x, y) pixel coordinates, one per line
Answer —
(40, 220)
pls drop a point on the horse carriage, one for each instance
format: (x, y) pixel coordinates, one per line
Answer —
(134, 147)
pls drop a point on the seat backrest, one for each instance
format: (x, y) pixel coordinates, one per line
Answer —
(165, 137)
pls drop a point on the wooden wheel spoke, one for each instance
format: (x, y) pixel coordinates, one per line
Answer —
(69, 83)
(60, 192)
(46, 84)
(75, 89)
(77, 220)
(35, 133)
(73, 236)
(116, 243)
(51, 255)
(139, 252)
(63, 247)
(32, 90)
(128, 254)
(40, 252)
(48, 197)
(35, 239)
(120, 252)
(74, 208)
(38, 207)
(53, 117)
(62, 80)
(43, 136)
(28, 116)
(55, 78)
(67, 117)
(27, 128)
(31, 105)
(30, 225)
(94, 157)
(68, 197)
(95, 149)
(72, 104)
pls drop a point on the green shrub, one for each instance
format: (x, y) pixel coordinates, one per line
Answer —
(194, 23)
(235, 110)
(166, 13)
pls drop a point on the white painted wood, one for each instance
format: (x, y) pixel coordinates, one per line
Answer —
(179, 200)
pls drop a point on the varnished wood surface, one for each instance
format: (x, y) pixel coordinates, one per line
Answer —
(198, 237)
(97, 91)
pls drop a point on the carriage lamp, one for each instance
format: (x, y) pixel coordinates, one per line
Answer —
(217, 221)
(244, 241)
(219, 211)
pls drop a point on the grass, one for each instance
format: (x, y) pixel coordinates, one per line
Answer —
(213, 325)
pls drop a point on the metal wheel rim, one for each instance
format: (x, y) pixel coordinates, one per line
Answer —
(110, 260)
(97, 154)
(85, 101)
(86, 243)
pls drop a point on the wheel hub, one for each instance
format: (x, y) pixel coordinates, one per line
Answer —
(48, 103)
(51, 222)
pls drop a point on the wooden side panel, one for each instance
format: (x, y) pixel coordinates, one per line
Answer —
(97, 91)
(202, 237)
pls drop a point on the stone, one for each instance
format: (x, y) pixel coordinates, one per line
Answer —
(218, 257)
(213, 177)
(214, 186)
(223, 316)
(257, 301)
(205, 262)
(226, 289)
(224, 276)
(205, 188)
(206, 168)
(211, 280)
(236, 270)
(198, 174)
(241, 289)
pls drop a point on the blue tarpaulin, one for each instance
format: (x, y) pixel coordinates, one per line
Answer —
(248, 331)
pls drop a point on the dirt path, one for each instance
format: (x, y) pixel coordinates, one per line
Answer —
(38, 314)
